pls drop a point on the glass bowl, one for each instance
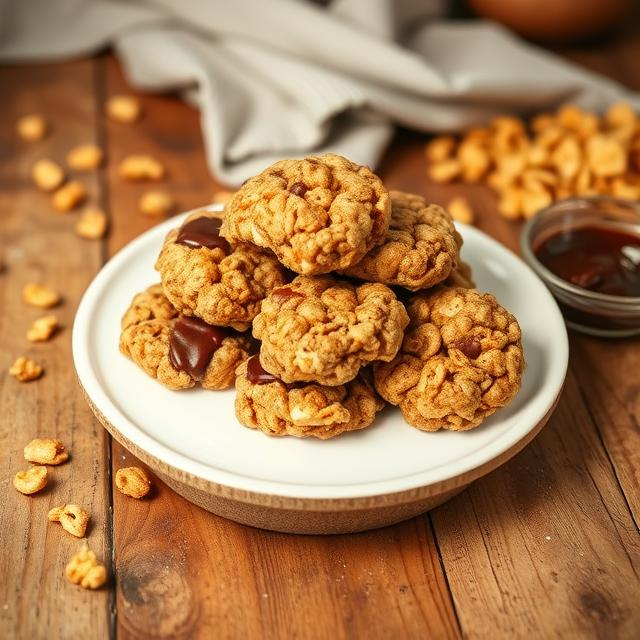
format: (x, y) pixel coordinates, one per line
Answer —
(587, 311)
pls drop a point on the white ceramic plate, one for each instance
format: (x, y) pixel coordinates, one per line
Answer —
(197, 432)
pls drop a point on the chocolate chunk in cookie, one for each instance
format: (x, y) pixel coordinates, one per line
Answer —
(179, 351)
(204, 275)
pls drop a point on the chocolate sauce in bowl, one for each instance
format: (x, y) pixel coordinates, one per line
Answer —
(599, 259)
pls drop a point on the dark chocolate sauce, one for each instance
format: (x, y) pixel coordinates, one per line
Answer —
(283, 293)
(256, 374)
(192, 344)
(594, 258)
(202, 232)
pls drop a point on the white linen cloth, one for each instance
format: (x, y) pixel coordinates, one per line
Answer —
(283, 78)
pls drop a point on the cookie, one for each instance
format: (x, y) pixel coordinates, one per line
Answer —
(179, 351)
(303, 410)
(219, 282)
(460, 361)
(419, 250)
(317, 215)
(323, 329)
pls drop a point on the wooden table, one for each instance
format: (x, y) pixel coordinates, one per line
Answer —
(546, 546)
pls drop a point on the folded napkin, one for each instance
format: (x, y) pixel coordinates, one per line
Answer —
(282, 78)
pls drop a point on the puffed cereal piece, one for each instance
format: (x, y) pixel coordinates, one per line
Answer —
(85, 157)
(32, 127)
(133, 482)
(440, 148)
(124, 109)
(32, 480)
(41, 296)
(92, 224)
(445, 171)
(47, 175)
(461, 210)
(69, 196)
(45, 451)
(606, 156)
(139, 167)
(156, 203)
(85, 569)
(73, 518)
(25, 369)
(42, 329)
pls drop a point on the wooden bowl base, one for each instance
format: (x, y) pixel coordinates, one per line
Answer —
(303, 521)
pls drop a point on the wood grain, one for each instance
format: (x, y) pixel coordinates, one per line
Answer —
(39, 245)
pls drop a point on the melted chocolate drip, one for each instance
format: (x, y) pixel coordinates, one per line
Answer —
(192, 344)
(256, 374)
(202, 232)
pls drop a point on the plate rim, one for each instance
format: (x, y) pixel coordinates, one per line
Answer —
(272, 493)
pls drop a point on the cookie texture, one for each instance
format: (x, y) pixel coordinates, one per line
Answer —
(323, 329)
(461, 360)
(147, 327)
(317, 215)
(305, 410)
(419, 250)
(223, 283)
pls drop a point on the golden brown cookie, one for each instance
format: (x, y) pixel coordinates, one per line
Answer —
(205, 276)
(179, 351)
(317, 215)
(266, 403)
(322, 329)
(461, 359)
(419, 250)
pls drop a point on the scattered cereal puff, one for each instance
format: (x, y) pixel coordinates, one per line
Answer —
(69, 196)
(47, 175)
(42, 329)
(25, 369)
(84, 569)
(92, 224)
(141, 167)
(461, 210)
(32, 127)
(32, 480)
(85, 157)
(41, 296)
(124, 109)
(46, 451)
(133, 481)
(73, 518)
(156, 203)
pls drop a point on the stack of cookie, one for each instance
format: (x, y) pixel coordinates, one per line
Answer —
(354, 296)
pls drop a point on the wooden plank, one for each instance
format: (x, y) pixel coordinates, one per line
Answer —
(545, 546)
(183, 572)
(39, 245)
